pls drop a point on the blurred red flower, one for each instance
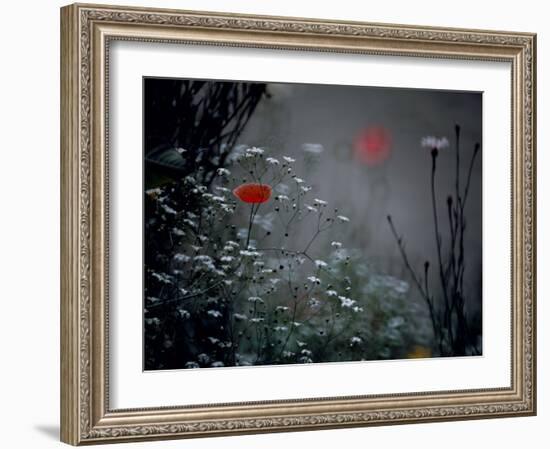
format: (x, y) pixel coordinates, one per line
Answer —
(372, 145)
(253, 193)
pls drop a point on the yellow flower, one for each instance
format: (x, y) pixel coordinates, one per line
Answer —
(419, 352)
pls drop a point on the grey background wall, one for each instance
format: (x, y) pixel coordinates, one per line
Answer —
(29, 223)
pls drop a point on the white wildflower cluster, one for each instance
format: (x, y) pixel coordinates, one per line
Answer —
(251, 276)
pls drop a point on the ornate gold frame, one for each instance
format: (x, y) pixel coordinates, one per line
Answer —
(86, 31)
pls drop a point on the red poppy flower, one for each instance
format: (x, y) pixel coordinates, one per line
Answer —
(372, 145)
(253, 193)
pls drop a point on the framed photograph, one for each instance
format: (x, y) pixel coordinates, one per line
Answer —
(279, 224)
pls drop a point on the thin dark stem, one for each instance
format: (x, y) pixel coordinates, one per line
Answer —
(405, 258)
(438, 245)
(470, 170)
(249, 226)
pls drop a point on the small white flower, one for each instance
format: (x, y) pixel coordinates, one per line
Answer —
(203, 358)
(240, 317)
(162, 277)
(313, 148)
(355, 341)
(222, 189)
(343, 218)
(346, 302)
(184, 314)
(255, 151)
(227, 259)
(314, 280)
(434, 142)
(169, 210)
(310, 208)
(282, 198)
(332, 293)
(181, 150)
(321, 264)
(336, 245)
(255, 299)
(153, 192)
(272, 161)
(223, 172)
(320, 202)
(305, 189)
(214, 313)
(247, 253)
(281, 308)
(190, 222)
(192, 365)
(289, 159)
(299, 180)
(152, 321)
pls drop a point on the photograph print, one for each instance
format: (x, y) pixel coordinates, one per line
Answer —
(307, 223)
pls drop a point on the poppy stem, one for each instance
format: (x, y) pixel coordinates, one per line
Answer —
(249, 226)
